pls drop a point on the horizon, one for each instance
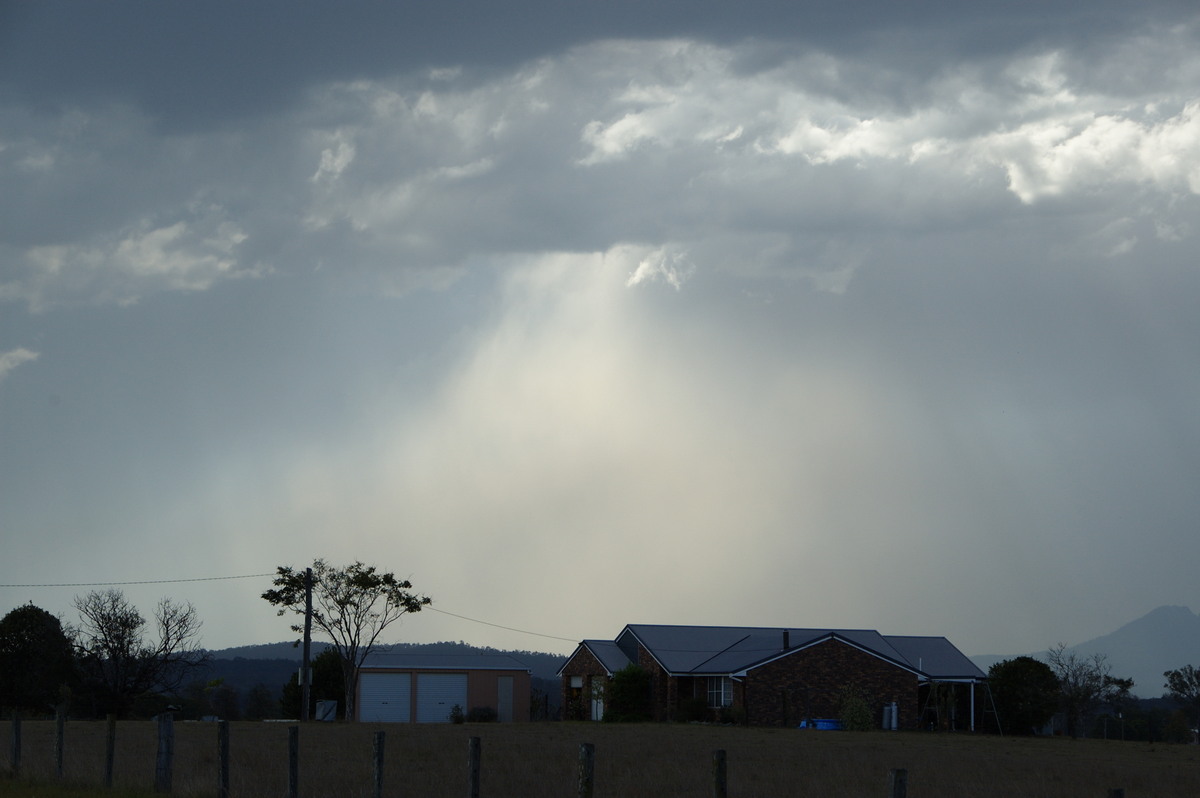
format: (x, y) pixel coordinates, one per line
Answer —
(481, 632)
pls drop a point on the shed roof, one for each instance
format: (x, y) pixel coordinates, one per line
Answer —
(381, 660)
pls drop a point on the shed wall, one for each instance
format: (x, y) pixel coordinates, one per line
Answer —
(481, 691)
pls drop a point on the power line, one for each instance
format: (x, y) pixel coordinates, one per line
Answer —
(259, 576)
(145, 581)
(499, 626)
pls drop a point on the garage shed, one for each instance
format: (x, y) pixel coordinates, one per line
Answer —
(425, 688)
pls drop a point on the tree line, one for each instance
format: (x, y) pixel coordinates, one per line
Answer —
(117, 661)
(106, 663)
(1082, 690)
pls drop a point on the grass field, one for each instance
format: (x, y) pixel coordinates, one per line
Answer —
(650, 760)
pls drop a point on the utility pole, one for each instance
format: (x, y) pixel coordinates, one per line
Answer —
(305, 670)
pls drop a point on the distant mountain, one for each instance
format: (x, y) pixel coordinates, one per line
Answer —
(245, 673)
(543, 665)
(285, 650)
(1163, 639)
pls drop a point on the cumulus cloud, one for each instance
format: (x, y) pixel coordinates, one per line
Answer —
(174, 257)
(664, 264)
(671, 143)
(14, 357)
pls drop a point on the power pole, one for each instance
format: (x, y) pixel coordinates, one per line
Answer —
(305, 670)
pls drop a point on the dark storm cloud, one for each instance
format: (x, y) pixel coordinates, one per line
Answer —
(194, 64)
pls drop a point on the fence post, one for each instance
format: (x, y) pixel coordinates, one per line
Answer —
(293, 762)
(14, 753)
(60, 733)
(898, 783)
(473, 767)
(110, 749)
(222, 759)
(587, 769)
(377, 749)
(720, 783)
(166, 752)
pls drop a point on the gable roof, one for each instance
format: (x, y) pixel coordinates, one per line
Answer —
(607, 652)
(717, 650)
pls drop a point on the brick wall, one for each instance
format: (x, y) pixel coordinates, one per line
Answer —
(576, 702)
(663, 688)
(807, 684)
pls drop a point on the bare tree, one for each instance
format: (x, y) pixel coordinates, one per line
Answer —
(353, 605)
(1084, 683)
(119, 662)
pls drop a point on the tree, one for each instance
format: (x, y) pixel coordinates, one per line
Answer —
(1026, 694)
(353, 605)
(1184, 686)
(1084, 683)
(119, 663)
(36, 660)
(328, 683)
(260, 703)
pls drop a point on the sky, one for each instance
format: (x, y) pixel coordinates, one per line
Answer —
(580, 314)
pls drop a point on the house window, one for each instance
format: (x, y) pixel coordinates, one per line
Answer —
(720, 691)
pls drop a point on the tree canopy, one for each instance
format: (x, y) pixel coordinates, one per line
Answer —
(352, 605)
(1026, 694)
(36, 660)
(1184, 686)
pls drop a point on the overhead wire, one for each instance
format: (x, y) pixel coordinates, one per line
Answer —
(501, 626)
(142, 581)
(258, 576)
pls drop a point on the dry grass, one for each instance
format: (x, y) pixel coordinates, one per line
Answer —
(632, 761)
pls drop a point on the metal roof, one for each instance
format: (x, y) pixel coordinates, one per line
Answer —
(936, 657)
(435, 662)
(610, 655)
(710, 650)
(607, 652)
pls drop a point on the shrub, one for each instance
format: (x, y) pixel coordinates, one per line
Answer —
(1177, 730)
(482, 715)
(456, 714)
(628, 695)
(853, 710)
(733, 715)
(692, 710)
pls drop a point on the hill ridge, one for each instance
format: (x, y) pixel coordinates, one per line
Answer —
(1165, 638)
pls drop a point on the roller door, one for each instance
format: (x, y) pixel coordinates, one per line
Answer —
(437, 693)
(385, 697)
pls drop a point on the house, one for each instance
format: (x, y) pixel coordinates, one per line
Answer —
(780, 677)
(424, 688)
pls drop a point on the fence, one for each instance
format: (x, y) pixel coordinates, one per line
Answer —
(896, 785)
